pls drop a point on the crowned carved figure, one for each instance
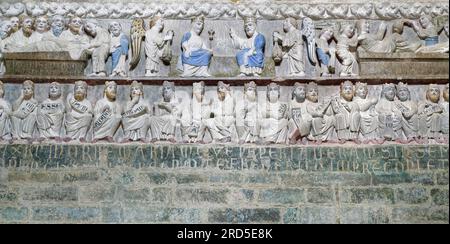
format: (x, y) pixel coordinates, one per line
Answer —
(79, 113)
(300, 118)
(136, 115)
(408, 109)
(5, 112)
(118, 48)
(200, 110)
(248, 124)
(430, 114)
(98, 48)
(107, 114)
(250, 57)
(24, 112)
(368, 128)
(50, 113)
(389, 117)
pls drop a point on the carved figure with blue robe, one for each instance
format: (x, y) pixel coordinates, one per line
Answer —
(118, 49)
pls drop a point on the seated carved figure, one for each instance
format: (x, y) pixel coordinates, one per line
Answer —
(248, 124)
(389, 117)
(24, 112)
(107, 114)
(300, 119)
(430, 114)
(425, 29)
(408, 109)
(221, 122)
(444, 117)
(168, 113)
(98, 47)
(379, 42)
(78, 113)
(74, 40)
(345, 41)
(135, 118)
(50, 114)
(200, 110)
(22, 38)
(346, 113)
(368, 128)
(5, 119)
(442, 47)
(274, 117)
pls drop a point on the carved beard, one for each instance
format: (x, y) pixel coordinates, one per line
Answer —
(198, 96)
(27, 31)
(433, 98)
(14, 29)
(251, 96)
(347, 96)
(28, 96)
(54, 96)
(110, 95)
(221, 95)
(57, 30)
(312, 98)
(74, 29)
(79, 96)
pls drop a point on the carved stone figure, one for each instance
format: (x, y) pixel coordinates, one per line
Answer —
(15, 24)
(389, 117)
(378, 42)
(346, 113)
(442, 47)
(221, 122)
(425, 29)
(249, 115)
(250, 58)
(200, 111)
(24, 112)
(135, 118)
(322, 123)
(401, 43)
(326, 54)
(408, 109)
(57, 25)
(155, 45)
(107, 114)
(74, 40)
(41, 26)
(98, 47)
(118, 49)
(430, 114)
(50, 114)
(368, 128)
(22, 38)
(300, 118)
(78, 113)
(196, 54)
(5, 112)
(274, 117)
(444, 116)
(5, 30)
(345, 41)
(167, 114)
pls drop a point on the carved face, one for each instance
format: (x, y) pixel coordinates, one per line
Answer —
(91, 29)
(28, 91)
(80, 92)
(168, 93)
(159, 25)
(115, 28)
(313, 94)
(433, 94)
(445, 94)
(197, 27)
(5, 28)
(75, 24)
(198, 92)
(273, 93)
(54, 91)
(389, 93)
(136, 91)
(222, 92)
(300, 93)
(250, 93)
(57, 24)
(361, 91)
(111, 91)
(27, 25)
(347, 92)
(446, 29)
(424, 21)
(349, 31)
(15, 24)
(250, 28)
(42, 24)
(286, 25)
(327, 35)
(403, 94)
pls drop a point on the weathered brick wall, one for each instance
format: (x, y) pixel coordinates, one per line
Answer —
(206, 184)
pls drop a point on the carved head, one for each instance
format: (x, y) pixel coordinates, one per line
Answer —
(198, 90)
(5, 29)
(41, 24)
(15, 24)
(327, 33)
(91, 27)
(27, 24)
(58, 24)
(115, 28)
(80, 90)
(54, 91)
(312, 92)
(388, 91)
(361, 90)
(446, 29)
(250, 90)
(348, 30)
(197, 24)
(110, 90)
(2, 91)
(289, 23)
(75, 24)
(425, 21)
(28, 89)
(397, 26)
(136, 89)
(347, 90)
(403, 93)
(273, 92)
(222, 90)
(157, 22)
(433, 93)
(299, 92)
(445, 93)
(168, 91)
(249, 26)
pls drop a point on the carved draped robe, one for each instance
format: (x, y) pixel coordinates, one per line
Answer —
(194, 61)
(410, 120)
(100, 51)
(78, 117)
(322, 123)
(163, 125)
(75, 44)
(293, 42)
(135, 120)
(119, 52)
(389, 120)
(154, 43)
(300, 119)
(222, 125)
(24, 119)
(17, 42)
(274, 122)
(347, 119)
(107, 118)
(250, 63)
(369, 119)
(5, 120)
(430, 115)
(445, 118)
(50, 117)
(250, 129)
(199, 111)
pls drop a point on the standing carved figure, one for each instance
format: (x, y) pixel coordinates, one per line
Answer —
(5, 30)
(78, 113)
(368, 128)
(50, 114)
(107, 114)
(326, 54)
(408, 109)
(347, 40)
(118, 49)
(249, 115)
(156, 44)
(136, 115)
(24, 112)
(274, 117)
(5, 112)
(430, 114)
(250, 56)
(98, 47)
